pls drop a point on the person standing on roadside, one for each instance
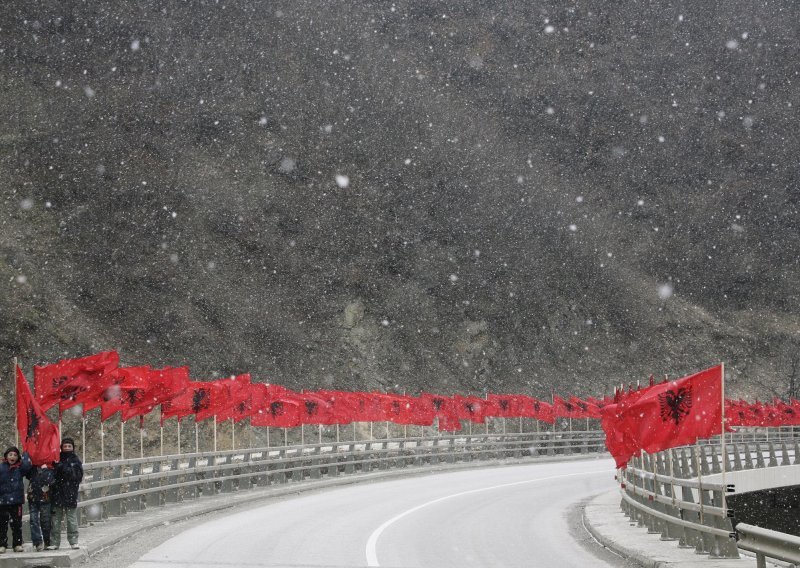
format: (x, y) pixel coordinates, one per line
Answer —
(41, 478)
(12, 495)
(68, 472)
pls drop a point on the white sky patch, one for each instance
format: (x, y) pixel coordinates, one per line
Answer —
(342, 181)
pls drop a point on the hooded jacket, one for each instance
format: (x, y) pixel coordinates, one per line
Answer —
(12, 489)
(68, 472)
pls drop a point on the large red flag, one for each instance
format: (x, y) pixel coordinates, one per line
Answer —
(537, 409)
(203, 399)
(276, 406)
(679, 412)
(38, 435)
(344, 405)
(127, 386)
(444, 409)
(74, 381)
(160, 386)
(239, 404)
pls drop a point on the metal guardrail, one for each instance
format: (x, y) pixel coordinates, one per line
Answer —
(114, 488)
(768, 544)
(666, 492)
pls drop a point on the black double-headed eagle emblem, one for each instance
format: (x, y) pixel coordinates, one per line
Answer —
(675, 404)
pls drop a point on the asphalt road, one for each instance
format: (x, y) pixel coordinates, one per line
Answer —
(517, 516)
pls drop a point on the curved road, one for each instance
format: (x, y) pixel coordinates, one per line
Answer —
(513, 516)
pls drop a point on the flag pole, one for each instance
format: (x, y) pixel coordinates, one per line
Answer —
(16, 402)
(724, 447)
(83, 436)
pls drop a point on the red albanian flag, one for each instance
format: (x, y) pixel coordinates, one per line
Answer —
(679, 412)
(240, 401)
(444, 409)
(38, 435)
(127, 386)
(74, 381)
(160, 386)
(276, 406)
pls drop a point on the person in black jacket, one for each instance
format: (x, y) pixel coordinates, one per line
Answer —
(12, 496)
(41, 478)
(68, 473)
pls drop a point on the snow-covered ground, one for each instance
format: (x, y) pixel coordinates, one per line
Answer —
(514, 516)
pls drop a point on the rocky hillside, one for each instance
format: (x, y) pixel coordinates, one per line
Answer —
(405, 195)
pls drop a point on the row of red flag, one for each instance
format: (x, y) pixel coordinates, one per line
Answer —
(98, 381)
(675, 412)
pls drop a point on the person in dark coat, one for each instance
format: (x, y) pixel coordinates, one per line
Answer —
(68, 472)
(41, 478)
(12, 496)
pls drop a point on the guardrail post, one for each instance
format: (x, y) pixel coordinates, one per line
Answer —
(135, 502)
(723, 547)
(192, 491)
(773, 460)
(796, 453)
(671, 531)
(153, 499)
(171, 494)
(737, 458)
(99, 512)
(760, 456)
(715, 461)
(785, 454)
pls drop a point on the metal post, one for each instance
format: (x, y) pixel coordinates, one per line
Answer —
(83, 435)
(233, 434)
(214, 418)
(16, 401)
(122, 439)
(196, 438)
(102, 442)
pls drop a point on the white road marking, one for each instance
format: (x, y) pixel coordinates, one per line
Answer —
(372, 542)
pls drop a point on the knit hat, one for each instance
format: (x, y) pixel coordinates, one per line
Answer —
(67, 441)
(11, 449)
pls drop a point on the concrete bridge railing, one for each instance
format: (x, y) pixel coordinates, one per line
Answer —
(682, 493)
